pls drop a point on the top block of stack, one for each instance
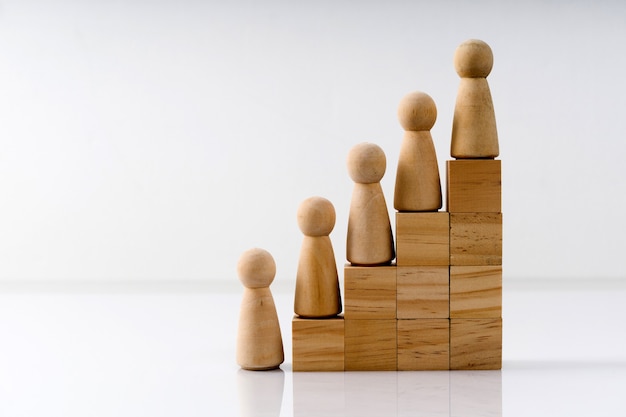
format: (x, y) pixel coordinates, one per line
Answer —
(474, 177)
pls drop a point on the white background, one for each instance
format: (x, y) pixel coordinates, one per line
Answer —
(158, 140)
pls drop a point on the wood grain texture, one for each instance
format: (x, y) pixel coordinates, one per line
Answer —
(423, 239)
(474, 132)
(369, 238)
(475, 291)
(474, 186)
(475, 238)
(370, 345)
(318, 344)
(418, 185)
(259, 340)
(423, 292)
(423, 344)
(370, 292)
(317, 284)
(475, 344)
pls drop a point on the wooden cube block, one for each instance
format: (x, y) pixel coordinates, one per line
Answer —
(475, 238)
(475, 291)
(476, 344)
(318, 344)
(474, 185)
(423, 238)
(370, 292)
(371, 345)
(423, 292)
(423, 344)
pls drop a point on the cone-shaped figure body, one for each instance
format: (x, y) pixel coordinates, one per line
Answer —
(259, 341)
(317, 282)
(418, 187)
(370, 240)
(474, 133)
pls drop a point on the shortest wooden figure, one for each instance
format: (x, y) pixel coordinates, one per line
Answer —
(259, 341)
(317, 282)
(370, 240)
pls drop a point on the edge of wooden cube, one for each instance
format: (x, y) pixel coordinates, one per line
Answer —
(318, 344)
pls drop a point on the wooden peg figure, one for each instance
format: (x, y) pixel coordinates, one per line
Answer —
(418, 187)
(317, 282)
(259, 341)
(370, 240)
(474, 133)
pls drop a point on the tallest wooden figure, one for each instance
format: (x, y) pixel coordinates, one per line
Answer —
(474, 133)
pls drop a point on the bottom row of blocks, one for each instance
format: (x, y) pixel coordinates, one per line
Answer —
(389, 345)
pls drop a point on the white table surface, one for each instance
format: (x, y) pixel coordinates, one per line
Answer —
(169, 350)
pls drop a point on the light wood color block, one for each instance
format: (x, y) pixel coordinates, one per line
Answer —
(370, 345)
(423, 344)
(370, 292)
(475, 238)
(475, 344)
(475, 291)
(423, 292)
(474, 133)
(474, 186)
(418, 187)
(369, 240)
(318, 344)
(423, 239)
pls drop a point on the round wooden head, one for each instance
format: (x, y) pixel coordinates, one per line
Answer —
(256, 268)
(473, 59)
(316, 216)
(366, 163)
(417, 111)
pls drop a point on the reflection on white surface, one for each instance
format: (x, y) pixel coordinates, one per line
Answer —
(260, 392)
(476, 393)
(424, 394)
(433, 394)
(319, 394)
(162, 351)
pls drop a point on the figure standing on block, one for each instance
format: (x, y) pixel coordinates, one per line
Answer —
(259, 341)
(370, 240)
(317, 282)
(418, 187)
(474, 133)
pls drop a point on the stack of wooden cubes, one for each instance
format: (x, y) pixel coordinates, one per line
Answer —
(439, 305)
(474, 204)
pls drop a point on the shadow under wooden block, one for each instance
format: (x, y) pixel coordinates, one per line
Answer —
(474, 185)
(371, 345)
(423, 292)
(475, 291)
(318, 344)
(423, 344)
(370, 292)
(475, 344)
(475, 238)
(423, 238)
